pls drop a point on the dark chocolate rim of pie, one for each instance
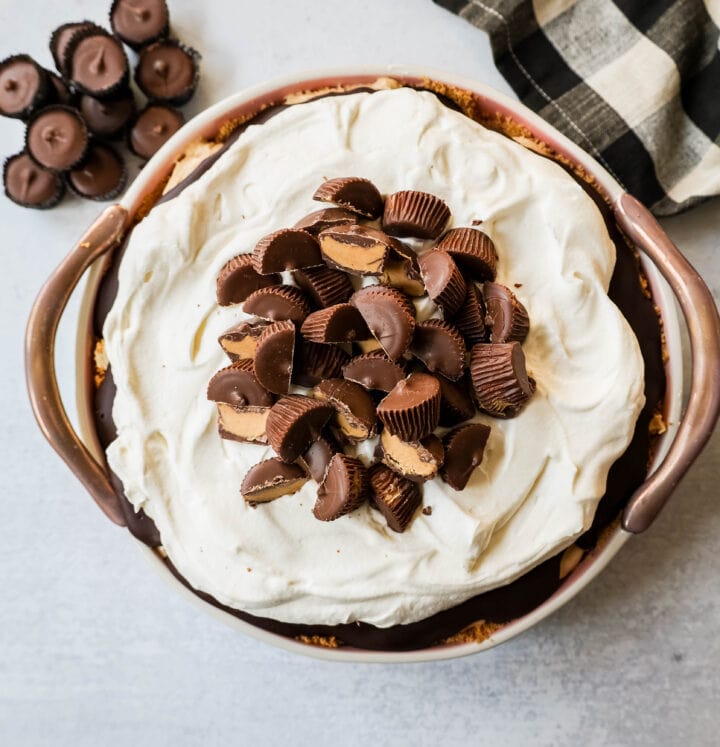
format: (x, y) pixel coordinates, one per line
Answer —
(478, 617)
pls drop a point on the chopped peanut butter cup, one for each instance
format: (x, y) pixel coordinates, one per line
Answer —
(241, 340)
(246, 424)
(271, 479)
(416, 460)
(356, 249)
(499, 378)
(317, 456)
(286, 249)
(402, 270)
(473, 251)
(440, 347)
(355, 408)
(470, 318)
(238, 279)
(389, 315)
(237, 384)
(294, 422)
(278, 303)
(319, 220)
(273, 361)
(397, 498)
(339, 323)
(344, 488)
(325, 286)
(316, 361)
(412, 408)
(464, 449)
(443, 281)
(374, 370)
(412, 213)
(506, 318)
(456, 404)
(352, 192)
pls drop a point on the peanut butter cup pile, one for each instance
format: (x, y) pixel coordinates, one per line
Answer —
(339, 357)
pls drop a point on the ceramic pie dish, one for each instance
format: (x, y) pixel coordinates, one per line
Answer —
(670, 279)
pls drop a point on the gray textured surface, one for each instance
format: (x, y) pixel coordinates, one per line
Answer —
(95, 649)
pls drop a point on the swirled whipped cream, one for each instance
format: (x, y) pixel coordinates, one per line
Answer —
(543, 472)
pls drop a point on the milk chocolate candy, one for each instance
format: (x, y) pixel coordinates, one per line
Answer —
(323, 285)
(356, 249)
(416, 460)
(412, 408)
(464, 449)
(294, 422)
(470, 318)
(30, 185)
(24, 86)
(168, 71)
(355, 408)
(278, 303)
(237, 384)
(402, 271)
(247, 424)
(60, 93)
(473, 251)
(108, 118)
(456, 404)
(57, 138)
(374, 370)
(60, 40)
(271, 479)
(139, 22)
(506, 318)
(396, 497)
(101, 176)
(238, 280)
(440, 347)
(274, 354)
(352, 192)
(389, 315)
(417, 214)
(500, 380)
(339, 323)
(319, 220)
(241, 341)
(443, 281)
(317, 456)
(152, 128)
(96, 63)
(286, 249)
(344, 488)
(316, 361)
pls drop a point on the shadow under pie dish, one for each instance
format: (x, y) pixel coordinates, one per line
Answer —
(536, 514)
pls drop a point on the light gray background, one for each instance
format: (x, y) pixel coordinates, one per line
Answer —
(96, 649)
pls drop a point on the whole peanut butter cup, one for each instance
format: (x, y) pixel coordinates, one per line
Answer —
(294, 422)
(396, 497)
(440, 347)
(30, 185)
(241, 340)
(412, 408)
(60, 40)
(102, 175)
(108, 118)
(167, 71)
(238, 280)
(456, 404)
(323, 285)
(286, 249)
(317, 456)
(443, 281)
(271, 479)
(473, 251)
(417, 214)
(374, 370)
(139, 22)
(273, 361)
(344, 488)
(316, 362)
(319, 220)
(416, 460)
(24, 86)
(355, 249)
(278, 303)
(389, 315)
(335, 324)
(152, 128)
(470, 318)
(464, 449)
(506, 318)
(57, 138)
(237, 384)
(95, 62)
(499, 378)
(355, 408)
(354, 193)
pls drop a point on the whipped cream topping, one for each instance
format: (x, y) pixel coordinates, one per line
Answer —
(543, 472)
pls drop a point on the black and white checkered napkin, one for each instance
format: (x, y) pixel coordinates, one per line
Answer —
(636, 83)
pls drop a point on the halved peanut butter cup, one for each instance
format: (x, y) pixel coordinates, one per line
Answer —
(247, 424)
(374, 370)
(416, 460)
(456, 404)
(440, 347)
(325, 286)
(344, 488)
(238, 279)
(273, 362)
(352, 192)
(319, 220)
(396, 497)
(389, 315)
(473, 251)
(241, 340)
(237, 384)
(413, 213)
(355, 408)
(499, 377)
(278, 303)
(294, 422)
(506, 318)
(271, 479)
(317, 456)
(470, 318)
(443, 281)
(315, 361)
(464, 449)
(339, 323)
(355, 249)
(286, 249)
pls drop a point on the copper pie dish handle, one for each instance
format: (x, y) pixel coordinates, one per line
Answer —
(701, 316)
(105, 234)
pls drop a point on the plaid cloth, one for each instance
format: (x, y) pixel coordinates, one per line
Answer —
(636, 83)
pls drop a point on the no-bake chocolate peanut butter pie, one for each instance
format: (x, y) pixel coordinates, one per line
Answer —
(381, 369)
